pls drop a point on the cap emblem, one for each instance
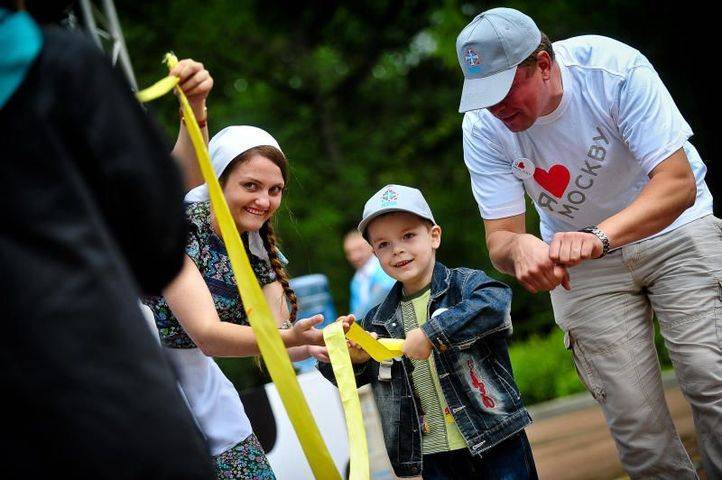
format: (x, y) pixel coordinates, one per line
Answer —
(472, 59)
(389, 198)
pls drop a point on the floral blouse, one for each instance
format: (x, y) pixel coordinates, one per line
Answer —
(208, 252)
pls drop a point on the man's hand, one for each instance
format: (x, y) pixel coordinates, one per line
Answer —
(417, 345)
(534, 268)
(196, 82)
(571, 248)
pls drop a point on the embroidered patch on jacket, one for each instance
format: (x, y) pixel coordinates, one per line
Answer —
(480, 386)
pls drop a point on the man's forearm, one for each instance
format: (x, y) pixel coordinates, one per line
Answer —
(501, 245)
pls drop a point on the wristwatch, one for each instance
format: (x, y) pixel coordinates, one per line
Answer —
(594, 230)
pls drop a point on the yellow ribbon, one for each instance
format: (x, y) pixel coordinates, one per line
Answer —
(381, 349)
(158, 89)
(259, 314)
(346, 382)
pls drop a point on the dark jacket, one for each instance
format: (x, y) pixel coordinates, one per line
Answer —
(468, 327)
(93, 215)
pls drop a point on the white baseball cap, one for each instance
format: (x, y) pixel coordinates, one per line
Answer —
(227, 145)
(395, 198)
(489, 49)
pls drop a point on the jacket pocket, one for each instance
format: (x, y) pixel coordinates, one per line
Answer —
(586, 370)
(464, 344)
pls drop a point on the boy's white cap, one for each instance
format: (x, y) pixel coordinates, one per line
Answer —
(395, 198)
(227, 145)
(489, 49)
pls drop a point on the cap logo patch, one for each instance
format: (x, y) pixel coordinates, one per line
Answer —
(389, 198)
(472, 59)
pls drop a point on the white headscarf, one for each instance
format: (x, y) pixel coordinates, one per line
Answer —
(223, 148)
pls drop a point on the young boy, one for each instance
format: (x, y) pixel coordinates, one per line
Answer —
(455, 414)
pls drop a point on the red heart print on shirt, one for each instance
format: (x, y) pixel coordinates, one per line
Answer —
(554, 181)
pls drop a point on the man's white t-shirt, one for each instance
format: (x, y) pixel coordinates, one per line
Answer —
(591, 157)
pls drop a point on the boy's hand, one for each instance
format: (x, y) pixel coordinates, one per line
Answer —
(358, 354)
(417, 345)
(346, 320)
(320, 353)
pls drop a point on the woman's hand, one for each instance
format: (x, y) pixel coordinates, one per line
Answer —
(304, 333)
(319, 352)
(196, 82)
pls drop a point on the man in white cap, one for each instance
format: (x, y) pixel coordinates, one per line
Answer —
(587, 129)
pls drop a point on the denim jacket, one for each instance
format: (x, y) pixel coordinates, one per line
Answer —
(468, 326)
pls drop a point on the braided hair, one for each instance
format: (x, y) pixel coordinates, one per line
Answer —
(269, 241)
(267, 234)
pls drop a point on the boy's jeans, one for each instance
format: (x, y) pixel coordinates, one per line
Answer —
(607, 318)
(510, 460)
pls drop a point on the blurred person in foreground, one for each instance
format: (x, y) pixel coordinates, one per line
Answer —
(95, 218)
(588, 130)
(370, 284)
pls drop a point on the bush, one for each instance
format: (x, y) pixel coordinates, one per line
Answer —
(544, 369)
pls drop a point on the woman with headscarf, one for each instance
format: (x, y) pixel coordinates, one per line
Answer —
(201, 315)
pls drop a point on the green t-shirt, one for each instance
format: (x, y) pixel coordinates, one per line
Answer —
(441, 433)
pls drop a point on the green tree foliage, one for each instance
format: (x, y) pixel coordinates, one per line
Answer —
(359, 95)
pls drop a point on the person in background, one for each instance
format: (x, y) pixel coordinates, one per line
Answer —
(370, 284)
